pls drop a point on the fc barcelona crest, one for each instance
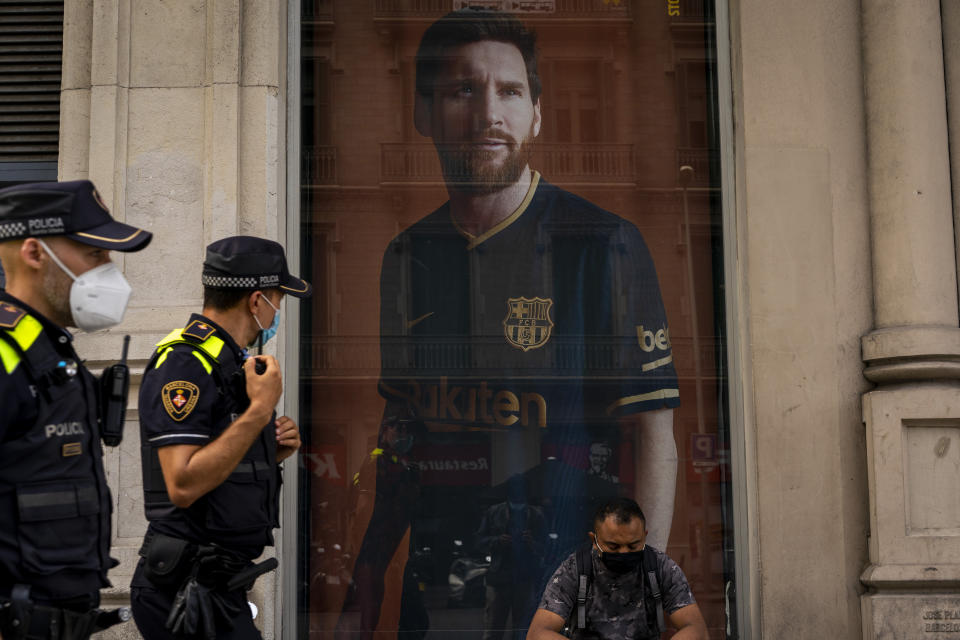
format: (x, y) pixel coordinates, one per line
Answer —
(179, 398)
(528, 324)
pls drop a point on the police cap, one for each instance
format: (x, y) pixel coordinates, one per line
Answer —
(73, 209)
(246, 262)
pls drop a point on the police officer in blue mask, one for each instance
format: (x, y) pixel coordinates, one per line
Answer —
(55, 506)
(211, 445)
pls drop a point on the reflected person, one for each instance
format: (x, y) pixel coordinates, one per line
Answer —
(513, 534)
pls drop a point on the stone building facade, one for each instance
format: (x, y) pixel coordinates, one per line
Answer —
(837, 129)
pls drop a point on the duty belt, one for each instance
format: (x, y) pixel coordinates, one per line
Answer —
(203, 575)
(21, 619)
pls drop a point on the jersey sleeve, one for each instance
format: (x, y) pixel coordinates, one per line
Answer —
(178, 399)
(641, 334)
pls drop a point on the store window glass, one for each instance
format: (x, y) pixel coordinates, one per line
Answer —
(517, 256)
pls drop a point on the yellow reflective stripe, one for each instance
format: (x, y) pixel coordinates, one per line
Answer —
(212, 346)
(10, 357)
(163, 356)
(27, 331)
(203, 361)
(25, 334)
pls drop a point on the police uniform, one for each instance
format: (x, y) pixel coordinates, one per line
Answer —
(550, 322)
(55, 505)
(193, 389)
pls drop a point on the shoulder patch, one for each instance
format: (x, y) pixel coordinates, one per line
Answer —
(179, 398)
(199, 330)
(10, 315)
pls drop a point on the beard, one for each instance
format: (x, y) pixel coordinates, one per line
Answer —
(56, 292)
(466, 167)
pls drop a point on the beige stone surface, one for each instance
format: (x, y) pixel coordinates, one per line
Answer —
(78, 31)
(911, 616)
(263, 50)
(909, 179)
(804, 255)
(950, 17)
(912, 439)
(168, 43)
(73, 160)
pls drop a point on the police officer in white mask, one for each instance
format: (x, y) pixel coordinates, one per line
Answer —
(55, 240)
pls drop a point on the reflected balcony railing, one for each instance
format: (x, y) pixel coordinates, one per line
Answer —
(585, 162)
(416, 162)
(318, 165)
(316, 10)
(699, 159)
(361, 356)
(428, 9)
(690, 11)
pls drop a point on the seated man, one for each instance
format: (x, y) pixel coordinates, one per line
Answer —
(621, 572)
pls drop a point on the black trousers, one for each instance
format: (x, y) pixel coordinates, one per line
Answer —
(150, 608)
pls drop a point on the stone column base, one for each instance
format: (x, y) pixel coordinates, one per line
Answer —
(910, 616)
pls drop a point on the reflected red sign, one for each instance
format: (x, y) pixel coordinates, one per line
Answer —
(455, 465)
(327, 462)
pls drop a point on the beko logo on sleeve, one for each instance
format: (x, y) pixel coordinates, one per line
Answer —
(650, 340)
(64, 429)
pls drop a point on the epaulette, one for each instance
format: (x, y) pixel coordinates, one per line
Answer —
(198, 330)
(10, 315)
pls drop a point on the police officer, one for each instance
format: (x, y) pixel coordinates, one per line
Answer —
(55, 506)
(210, 448)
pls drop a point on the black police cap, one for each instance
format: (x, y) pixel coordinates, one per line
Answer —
(246, 262)
(73, 209)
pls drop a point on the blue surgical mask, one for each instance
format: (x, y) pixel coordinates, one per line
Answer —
(269, 332)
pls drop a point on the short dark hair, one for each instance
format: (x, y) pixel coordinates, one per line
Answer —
(466, 26)
(622, 509)
(224, 299)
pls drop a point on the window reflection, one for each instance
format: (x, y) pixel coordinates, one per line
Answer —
(626, 102)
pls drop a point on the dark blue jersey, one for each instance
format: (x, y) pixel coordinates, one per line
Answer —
(520, 349)
(551, 320)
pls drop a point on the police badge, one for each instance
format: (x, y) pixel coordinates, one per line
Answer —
(179, 398)
(528, 324)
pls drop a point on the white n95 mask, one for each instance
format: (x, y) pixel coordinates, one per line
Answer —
(98, 298)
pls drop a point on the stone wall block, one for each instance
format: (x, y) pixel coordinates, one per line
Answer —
(167, 43)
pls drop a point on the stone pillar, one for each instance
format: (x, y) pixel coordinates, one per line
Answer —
(176, 111)
(913, 354)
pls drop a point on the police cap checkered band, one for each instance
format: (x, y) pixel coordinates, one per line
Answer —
(247, 262)
(73, 209)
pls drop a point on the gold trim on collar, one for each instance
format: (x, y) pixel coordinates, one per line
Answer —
(105, 239)
(506, 222)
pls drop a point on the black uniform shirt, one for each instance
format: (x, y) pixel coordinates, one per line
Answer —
(17, 393)
(179, 400)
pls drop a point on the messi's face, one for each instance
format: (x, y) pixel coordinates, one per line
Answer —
(481, 116)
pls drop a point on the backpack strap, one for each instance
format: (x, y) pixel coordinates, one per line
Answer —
(649, 568)
(584, 571)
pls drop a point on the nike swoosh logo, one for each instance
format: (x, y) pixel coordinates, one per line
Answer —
(411, 324)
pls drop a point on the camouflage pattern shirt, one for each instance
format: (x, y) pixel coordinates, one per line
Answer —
(615, 603)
